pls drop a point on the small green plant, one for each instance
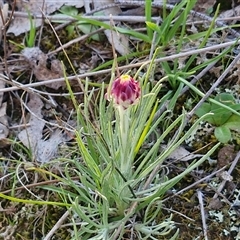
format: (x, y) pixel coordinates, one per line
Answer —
(224, 120)
(118, 179)
(80, 25)
(172, 24)
(31, 36)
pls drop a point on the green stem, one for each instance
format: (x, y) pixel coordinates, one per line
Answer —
(125, 166)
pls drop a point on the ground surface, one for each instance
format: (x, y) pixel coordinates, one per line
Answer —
(22, 171)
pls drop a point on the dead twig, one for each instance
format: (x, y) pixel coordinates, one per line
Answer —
(233, 165)
(99, 18)
(75, 40)
(89, 74)
(203, 215)
(194, 184)
(56, 226)
(33, 185)
(215, 84)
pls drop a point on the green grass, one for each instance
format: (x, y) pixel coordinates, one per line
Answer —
(31, 36)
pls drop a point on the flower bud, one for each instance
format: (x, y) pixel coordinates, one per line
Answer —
(125, 91)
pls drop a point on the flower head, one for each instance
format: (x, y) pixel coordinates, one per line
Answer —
(125, 91)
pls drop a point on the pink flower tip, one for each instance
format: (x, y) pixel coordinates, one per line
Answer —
(125, 91)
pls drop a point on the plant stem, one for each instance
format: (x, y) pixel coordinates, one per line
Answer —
(125, 165)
